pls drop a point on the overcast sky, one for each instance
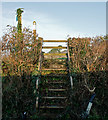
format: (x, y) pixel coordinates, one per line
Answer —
(57, 20)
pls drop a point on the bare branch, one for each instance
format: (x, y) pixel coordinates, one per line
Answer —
(90, 90)
(86, 85)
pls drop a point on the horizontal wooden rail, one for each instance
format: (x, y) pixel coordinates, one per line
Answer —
(55, 54)
(57, 90)
(54, 40)
(54, 69)
(56, 107)
(54, 97)
(49, 47)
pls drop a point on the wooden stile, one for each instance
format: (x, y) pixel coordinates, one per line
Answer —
(54, 40)
(55, 54)
(50, 47)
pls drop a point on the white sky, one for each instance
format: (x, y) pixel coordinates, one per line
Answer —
(57, 20)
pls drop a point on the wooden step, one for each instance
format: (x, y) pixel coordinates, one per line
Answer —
(55, 41)
(55, 61)
(47, 72)
(56, 82)
(56, 89)
(54, 97)
(55, 75)
(62, 60)
(53, 107)
(54, 69)
(55, 54)
(50, 47)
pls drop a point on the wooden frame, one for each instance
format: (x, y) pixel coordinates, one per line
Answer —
(55, 41)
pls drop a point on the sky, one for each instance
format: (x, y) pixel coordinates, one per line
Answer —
(56, 20)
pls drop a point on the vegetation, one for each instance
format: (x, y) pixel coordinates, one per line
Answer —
(88, 54)
(54, 50)
(20, 54)
(88, 66)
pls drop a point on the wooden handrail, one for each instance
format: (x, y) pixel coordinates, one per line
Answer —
(54, 40)
(54, 69)
(40, 57)
(55, 54)
(50, 47)
(39, 68)
(68, 55)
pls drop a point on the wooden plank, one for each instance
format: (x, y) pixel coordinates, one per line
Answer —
(55, 82)
(54, 40)
(40, 54)
(55, 54)
(56, 90)
(50, 47)
(71, 79)
(56, 107)
(54, 97)
(55, 59)
(53, 69)
(55, 75)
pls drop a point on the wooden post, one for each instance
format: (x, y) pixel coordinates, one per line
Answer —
(40, 38)
(35, 42)
(40, 54)
(19, 18)
(39, 68)
(71, 80)
(34, 29)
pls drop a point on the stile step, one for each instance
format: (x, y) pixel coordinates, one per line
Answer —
(55, 54)
(55, 75)
(54, 97)
(54, 107)
(56, 89)
(56, 82)
(54, 40)
(54, 69)
(50, 47)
